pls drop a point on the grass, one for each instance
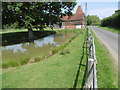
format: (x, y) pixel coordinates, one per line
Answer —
(106, 73)
(58, 71)
(3, 31)
(35, 58)
(12, 30)
(14, 63)
(61, 47)
(110, 29)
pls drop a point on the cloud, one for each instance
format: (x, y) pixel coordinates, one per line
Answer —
(103, 12)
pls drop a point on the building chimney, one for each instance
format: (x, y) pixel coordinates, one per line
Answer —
(79, 10)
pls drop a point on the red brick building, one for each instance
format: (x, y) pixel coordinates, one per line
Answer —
(73, 22)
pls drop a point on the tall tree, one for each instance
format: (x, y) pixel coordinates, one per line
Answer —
(93, 20)
(35, 14)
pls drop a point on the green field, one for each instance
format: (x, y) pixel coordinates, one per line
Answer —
(65, 69)
(107, 74)
(58, 71)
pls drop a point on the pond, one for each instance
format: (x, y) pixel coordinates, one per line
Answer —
(37, 48)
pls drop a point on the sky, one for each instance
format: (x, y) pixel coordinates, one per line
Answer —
(101, 9)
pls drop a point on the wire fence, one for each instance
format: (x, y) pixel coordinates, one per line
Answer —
(91, 78)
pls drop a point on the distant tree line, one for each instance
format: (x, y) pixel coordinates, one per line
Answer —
(112, 21)
(93, 20)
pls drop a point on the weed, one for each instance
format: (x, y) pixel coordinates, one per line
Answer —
(24, 60)
(10, 63)
(38, 59)
(63, 52)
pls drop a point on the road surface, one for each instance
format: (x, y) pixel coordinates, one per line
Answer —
(109, 39)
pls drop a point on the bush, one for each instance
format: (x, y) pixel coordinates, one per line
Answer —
(11, 26)
(54, 51)
(10, 63)
(24, 60)
(63, 52)
(38, 59)
(112, 21)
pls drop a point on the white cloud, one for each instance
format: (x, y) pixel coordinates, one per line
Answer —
(103, 12)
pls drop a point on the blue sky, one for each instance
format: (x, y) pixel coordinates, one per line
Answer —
(101, 9)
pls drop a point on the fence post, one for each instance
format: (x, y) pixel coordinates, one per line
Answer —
(91, 81)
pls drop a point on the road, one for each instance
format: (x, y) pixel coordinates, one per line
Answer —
(109, 39)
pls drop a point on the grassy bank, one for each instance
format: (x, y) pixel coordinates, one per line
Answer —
(106, 73)
(35, 57)
(3, 31)
(110, 29)
(59, 71)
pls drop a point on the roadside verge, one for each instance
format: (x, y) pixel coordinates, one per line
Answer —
(107, 73)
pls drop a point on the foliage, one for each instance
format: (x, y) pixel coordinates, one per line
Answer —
(58, 71)
(35, 14)
(32, 58)
(112, 21)
(93, 20)
(38, 59)
(13, 63)
(65, 51)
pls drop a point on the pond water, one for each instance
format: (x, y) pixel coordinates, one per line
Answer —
(37, 48)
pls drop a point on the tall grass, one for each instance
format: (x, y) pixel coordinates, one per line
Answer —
(13, 63)
(25, 60)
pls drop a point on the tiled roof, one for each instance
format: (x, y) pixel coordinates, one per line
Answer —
(77, 16)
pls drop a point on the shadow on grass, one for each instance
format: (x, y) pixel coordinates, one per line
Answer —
(80, 64)
(84, 55)
(22, 37)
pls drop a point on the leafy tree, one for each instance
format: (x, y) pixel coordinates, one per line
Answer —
(93, 20)
(35, 14)
(112, 21)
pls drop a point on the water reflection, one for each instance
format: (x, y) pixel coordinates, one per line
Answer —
(14, 48)
(47, 40)
(38, 43)
(40, 47)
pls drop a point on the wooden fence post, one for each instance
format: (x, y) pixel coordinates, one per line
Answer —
(91, 81)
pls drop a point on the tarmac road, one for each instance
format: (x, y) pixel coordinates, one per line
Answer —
(109, 39)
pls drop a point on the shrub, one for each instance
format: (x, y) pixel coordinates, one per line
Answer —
(54, 51)
(10, 63)
(24, 60)
(38, 59)
(63, 52)
(112, 21)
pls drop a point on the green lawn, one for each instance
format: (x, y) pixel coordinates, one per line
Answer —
(3, 31)
(107, 74)
(110, 29)
(12, 30)
(58, 71)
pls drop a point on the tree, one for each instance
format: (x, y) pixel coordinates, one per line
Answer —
(35, 14)
(93, 20)
(112, 21)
